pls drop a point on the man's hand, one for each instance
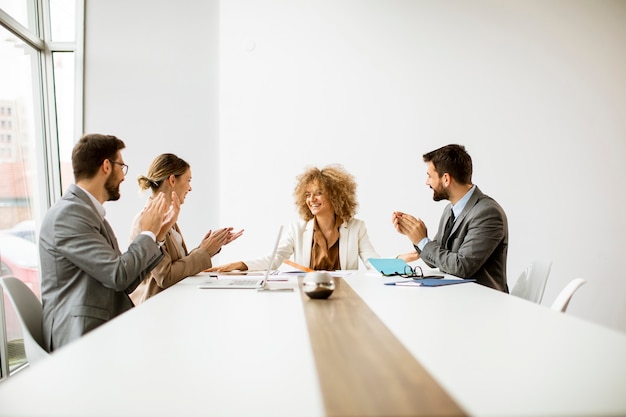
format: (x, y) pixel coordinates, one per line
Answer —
(171, 217)
(152, 216)
(409, 256)
(413, 228)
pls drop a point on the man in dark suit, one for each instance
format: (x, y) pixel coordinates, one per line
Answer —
(473, 238)
(85, 278)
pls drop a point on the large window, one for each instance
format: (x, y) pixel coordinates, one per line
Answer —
(40, 117)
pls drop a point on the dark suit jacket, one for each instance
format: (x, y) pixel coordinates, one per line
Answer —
(477, 246)
(84, 277)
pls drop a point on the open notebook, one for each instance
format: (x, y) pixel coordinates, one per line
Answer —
(259, 282)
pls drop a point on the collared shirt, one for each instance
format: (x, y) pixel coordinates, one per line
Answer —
(99, 207)
(457, 209)
(324, 254)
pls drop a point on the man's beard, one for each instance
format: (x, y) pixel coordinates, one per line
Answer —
(441, 194)
(112, 189)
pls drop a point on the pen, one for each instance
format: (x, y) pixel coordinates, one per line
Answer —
(295, 265)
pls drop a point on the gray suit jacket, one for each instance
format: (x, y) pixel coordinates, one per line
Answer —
(477, 246)
(85, 280)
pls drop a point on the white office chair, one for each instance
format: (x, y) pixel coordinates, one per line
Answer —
(532, 282)
(29, 313)
(561, 302)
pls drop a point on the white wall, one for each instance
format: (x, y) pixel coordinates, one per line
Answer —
(534, 89)
(151, 79)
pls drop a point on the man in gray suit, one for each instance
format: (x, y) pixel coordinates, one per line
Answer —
(85, 278)
(473, 237)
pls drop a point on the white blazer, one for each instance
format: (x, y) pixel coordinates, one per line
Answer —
(354, 243)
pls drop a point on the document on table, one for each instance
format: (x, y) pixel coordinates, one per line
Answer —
(274, 276)
(290, 268)
(429, 282)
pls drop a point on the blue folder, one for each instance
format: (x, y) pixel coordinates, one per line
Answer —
(389, 266)
(429, 282)
(394, 266)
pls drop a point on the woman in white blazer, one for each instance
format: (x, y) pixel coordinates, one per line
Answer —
(328, 237)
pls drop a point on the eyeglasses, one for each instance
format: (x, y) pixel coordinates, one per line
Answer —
(124, 166)
(411, 272)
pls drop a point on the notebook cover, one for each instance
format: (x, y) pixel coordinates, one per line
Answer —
(388, 266)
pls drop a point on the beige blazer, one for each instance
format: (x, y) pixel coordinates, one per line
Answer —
(354, 243)
(176, 265)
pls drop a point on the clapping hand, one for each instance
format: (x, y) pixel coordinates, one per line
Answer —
(153, 214)
(213, 241)
(413, 228)
(171, 217)
(233, 236)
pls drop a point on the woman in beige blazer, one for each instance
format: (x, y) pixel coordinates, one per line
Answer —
(327, 237)
(171, 175)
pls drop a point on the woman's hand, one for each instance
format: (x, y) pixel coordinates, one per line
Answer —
(234, 266)
(233, 236)
(214, 240)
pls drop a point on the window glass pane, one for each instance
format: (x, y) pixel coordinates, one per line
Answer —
(20, 117)
(64, 96)
(21, 10)
(63, 20)
(19, 91)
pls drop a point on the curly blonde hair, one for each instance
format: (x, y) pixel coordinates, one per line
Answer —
(337, 185)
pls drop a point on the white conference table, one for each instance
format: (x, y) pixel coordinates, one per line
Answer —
(500, 355)
(190, 352)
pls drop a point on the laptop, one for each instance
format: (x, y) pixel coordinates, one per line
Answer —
(248, 282)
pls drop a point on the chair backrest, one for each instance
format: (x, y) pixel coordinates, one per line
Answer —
(562, 300)
(30, 315)
(532, 282)
(4, 351)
